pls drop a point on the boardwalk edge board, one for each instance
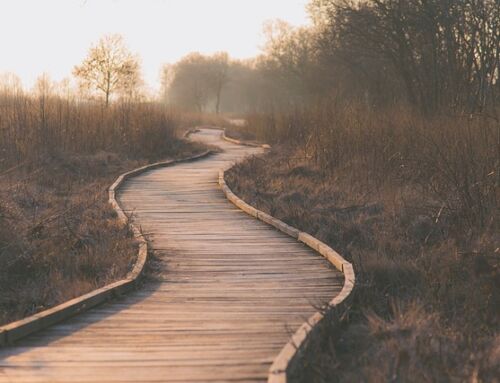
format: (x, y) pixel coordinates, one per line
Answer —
(280, 365)
(245, 143)
(229, 139)
(14, 331)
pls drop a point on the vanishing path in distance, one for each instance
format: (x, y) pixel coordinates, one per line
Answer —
(230, 292)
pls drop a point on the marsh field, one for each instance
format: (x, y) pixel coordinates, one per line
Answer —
(383, 119)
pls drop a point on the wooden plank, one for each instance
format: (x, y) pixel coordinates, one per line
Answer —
(229, 292)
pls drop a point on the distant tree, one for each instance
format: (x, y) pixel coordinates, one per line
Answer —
(196, 80)
(109, 67)
(243, 92)
(289, 62)
(442, 54)
(10, 84)
(44, 86)
(186, 83)
(43, 90)
(219, 65)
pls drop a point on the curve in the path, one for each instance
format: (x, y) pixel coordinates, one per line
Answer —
(229, 293)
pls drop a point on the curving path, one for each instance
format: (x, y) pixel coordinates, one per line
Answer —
(230, 292)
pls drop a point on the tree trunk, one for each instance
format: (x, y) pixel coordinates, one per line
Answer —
(217, 103)
(108, 87)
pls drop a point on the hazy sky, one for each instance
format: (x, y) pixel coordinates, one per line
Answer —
(53, 35)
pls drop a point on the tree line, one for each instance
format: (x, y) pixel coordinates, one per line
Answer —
(109, 71)
(106, 112)
(433, 55)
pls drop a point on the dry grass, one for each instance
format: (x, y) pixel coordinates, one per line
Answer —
(59, 238)
(413, 203)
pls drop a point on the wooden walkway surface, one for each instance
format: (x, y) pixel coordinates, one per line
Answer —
(230, 292)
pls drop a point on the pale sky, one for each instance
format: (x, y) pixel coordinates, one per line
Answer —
(53, 35)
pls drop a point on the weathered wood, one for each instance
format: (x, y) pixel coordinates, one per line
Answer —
(281, 364)
(226, 293)
(16, 330)
(246, 143)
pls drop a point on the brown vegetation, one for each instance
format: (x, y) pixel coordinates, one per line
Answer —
(196, 81)
(58, 236)
(413, 203)
(109, 68)
(385, 129)
(384, 117)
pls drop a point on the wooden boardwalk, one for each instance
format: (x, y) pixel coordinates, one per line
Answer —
(230, 292)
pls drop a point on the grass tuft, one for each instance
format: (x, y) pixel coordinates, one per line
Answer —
(413, 203)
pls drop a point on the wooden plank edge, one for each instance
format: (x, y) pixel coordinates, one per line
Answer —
(278, 370)
(245, 143)
(190, 131)
(14, 331)
(21, 328)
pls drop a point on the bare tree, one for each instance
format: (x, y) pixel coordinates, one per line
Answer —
(43, 90)
(289, 61)
(109, 67)
(445, 54)
(219, 75)
(196, 80)
(10, 84)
